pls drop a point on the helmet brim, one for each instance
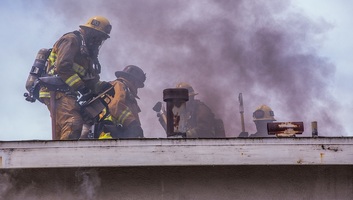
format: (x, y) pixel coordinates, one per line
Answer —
(193, 94)
(123, 74)
(105, 34)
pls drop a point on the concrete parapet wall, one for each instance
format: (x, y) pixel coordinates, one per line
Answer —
(176, 152)
(231, 168)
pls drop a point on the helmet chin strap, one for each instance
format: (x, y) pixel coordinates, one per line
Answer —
(84, 50)
(96, 65)
(94, 54)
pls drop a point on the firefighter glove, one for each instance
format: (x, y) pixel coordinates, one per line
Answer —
(86, 94)
(105, 86)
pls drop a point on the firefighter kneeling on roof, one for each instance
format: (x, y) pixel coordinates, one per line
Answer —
(261, 116)
(123, 120)
(201, 121)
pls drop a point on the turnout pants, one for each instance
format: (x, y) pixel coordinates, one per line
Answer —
(68, 118)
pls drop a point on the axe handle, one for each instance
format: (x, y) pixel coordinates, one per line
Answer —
(53, 114)
(163, 120)
(241, 109)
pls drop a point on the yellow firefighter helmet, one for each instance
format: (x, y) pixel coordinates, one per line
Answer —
(263, 112)
(100, 24)
(187, 86)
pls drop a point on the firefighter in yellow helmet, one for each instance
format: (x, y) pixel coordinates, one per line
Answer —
(124, 121)
(261, 116)
(201, 121)
(74, 58)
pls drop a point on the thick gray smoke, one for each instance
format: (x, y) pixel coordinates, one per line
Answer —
(263, 49)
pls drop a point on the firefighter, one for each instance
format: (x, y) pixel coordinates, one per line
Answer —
(123, 120)
(261, 116)
(74, 58)
(201, 122)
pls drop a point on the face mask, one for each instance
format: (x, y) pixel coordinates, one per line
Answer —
(94, 40)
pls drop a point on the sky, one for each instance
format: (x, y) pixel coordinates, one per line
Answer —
(294, 56)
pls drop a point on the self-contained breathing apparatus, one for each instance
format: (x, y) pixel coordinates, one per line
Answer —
(38, 70)
(38, 78)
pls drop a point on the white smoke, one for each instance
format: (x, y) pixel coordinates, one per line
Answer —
(38, 184)
(89, 183)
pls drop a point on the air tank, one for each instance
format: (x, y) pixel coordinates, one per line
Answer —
(38, 68)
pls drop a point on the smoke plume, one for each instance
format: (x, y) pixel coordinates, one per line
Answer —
(266, 50)
(65, 183)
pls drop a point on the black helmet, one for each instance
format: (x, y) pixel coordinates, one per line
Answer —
(134, 72)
